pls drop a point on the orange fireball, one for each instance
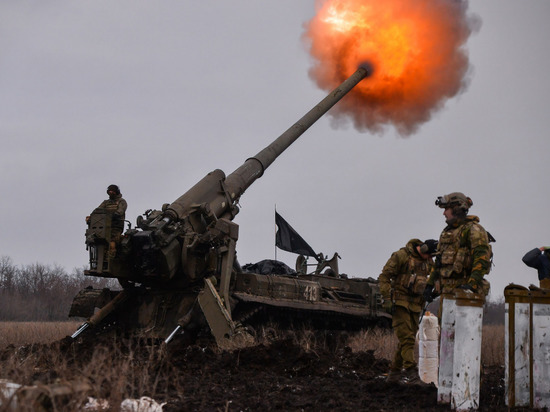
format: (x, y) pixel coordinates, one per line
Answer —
(417, 49)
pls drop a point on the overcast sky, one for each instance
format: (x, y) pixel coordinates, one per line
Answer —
(154, 95)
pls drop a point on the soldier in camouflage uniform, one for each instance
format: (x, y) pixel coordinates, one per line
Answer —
(402, 284)
(464, 255)
(116, 206)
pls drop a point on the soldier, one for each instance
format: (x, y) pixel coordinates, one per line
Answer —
(464, 255)
(117, 206)
(402, 284)
(539, 258)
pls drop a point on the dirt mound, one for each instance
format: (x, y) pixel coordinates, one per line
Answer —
(275, 377)
(283, 376)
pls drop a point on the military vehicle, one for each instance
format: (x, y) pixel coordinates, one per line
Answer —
(179, 273)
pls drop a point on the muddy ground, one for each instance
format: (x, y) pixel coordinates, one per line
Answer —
(283, 377)
(280, 376)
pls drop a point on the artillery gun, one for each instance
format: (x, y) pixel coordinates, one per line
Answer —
(178, 268)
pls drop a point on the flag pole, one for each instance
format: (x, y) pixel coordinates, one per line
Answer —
(275, 237)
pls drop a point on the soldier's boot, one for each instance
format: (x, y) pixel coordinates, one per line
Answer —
(394, 375)
(112, 250)
(412, 377)
(545, 283)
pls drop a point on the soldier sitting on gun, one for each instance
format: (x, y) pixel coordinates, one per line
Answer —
(116, 206)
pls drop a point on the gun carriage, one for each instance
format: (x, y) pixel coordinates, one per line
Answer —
(179, 273)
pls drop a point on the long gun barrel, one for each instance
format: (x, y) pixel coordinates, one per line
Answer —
(184, 256)
(253, 168)
(179, 242)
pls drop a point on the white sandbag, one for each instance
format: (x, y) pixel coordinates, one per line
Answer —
(8, 390)
(143, 404)
(428, 356)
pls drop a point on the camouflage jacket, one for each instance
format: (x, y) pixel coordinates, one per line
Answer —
(117, 207)
(463, 257)
(404, 277)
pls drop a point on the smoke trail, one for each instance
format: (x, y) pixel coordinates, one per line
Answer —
(417, 48)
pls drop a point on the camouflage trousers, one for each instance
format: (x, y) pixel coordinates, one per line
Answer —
(405, 326)
(116, 235)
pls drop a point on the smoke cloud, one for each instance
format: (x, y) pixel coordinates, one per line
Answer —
(417, 48)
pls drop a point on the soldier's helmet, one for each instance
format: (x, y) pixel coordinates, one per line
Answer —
(114, 188)
(429, 247)
(455, 199)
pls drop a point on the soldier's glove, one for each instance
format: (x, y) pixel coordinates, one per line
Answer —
(467, 287)
(428, 293)
(388, 306)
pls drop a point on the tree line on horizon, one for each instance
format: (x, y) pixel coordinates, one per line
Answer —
(38, 292)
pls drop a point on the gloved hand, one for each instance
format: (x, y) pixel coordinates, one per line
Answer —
(428, 293)
(467, 287)
(388, 306)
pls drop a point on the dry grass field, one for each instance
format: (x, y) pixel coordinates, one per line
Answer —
(25, 333)
(282, 371)
(381, 342)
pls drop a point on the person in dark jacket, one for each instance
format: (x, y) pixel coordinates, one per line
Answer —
(539, 258)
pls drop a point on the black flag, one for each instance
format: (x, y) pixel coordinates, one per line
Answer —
(288, 239)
